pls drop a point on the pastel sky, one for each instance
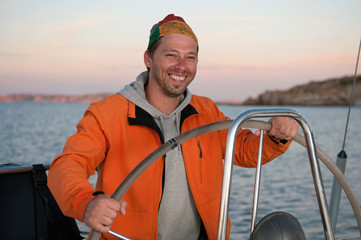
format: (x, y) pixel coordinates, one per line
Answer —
(246, 46)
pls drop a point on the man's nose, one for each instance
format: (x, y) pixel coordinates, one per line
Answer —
(181, 64)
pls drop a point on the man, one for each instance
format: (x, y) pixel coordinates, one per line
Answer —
(178, 196)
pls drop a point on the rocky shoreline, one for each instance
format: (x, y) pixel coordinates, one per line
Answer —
(330, 92)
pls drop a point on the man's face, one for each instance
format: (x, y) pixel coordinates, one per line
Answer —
(173, 65)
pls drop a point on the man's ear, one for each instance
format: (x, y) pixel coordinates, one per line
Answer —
(147, 59)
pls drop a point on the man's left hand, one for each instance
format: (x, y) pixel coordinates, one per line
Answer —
(282, 128)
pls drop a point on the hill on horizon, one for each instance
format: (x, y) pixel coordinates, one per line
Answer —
(330, 92)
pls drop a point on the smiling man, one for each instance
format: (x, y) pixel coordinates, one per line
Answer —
(172, 69)
(178, 196)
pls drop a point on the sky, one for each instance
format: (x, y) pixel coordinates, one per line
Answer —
(245, 47)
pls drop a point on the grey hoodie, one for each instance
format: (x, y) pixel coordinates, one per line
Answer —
(178, 217)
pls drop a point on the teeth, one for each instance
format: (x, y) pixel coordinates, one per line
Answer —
(177, 78)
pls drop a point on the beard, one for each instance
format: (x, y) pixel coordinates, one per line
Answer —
(168, 87)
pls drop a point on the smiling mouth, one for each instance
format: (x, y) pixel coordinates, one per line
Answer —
(177, 78)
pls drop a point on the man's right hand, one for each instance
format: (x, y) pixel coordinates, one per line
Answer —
(101, 212)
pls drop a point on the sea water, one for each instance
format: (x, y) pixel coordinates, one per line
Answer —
(36, 132)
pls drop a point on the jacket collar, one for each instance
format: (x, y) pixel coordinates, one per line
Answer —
(139, 117)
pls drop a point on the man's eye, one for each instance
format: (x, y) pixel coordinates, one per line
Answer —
(191, 58)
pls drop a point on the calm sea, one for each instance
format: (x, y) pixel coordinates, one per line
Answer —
(36, 132)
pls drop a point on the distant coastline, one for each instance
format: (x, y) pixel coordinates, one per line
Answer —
(330, 92)
(58, 98)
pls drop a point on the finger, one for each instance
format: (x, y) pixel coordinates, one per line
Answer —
(106, 220)
(258, 132)
(274, 131)
(113, 207)
(290, 129)
(109, 213)
(101, 224)
(294, 129)
(123, 207)
(113, 204)
(101, 228)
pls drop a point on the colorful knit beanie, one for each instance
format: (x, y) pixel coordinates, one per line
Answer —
(170, 24)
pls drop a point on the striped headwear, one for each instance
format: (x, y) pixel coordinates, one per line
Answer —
(170, 24)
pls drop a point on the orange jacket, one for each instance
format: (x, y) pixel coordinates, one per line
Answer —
(115, 135)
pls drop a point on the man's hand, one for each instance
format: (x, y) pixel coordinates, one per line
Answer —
(282, 128)
(101, 212)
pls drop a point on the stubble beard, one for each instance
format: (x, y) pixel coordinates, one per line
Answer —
(167, 87)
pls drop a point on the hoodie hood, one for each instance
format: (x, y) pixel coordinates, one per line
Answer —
(135, 93)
